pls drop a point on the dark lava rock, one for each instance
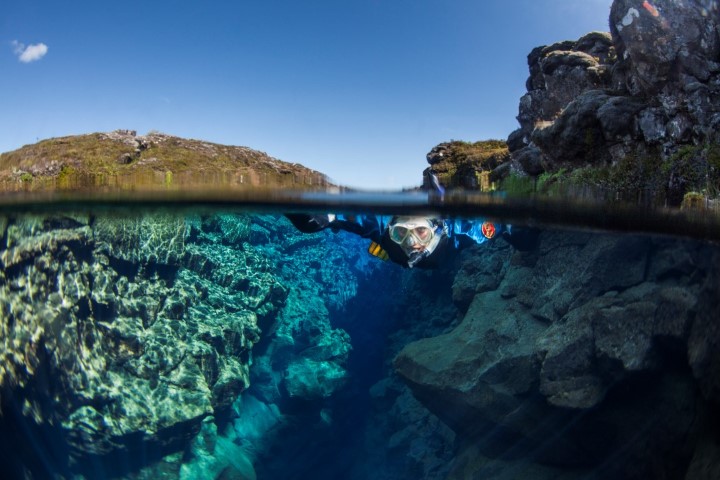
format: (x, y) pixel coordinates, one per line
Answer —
(593, 339)
(642, 97)
(561, 72)
(661, 44)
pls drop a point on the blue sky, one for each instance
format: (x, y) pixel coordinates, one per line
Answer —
(358, 89)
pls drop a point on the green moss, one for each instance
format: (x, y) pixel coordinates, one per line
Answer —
(518, 186)
(631, 177)
(693, 200)
(712, 187)
(634, 173)
(593, 177)
(713, 156)
(67, 177)
(551, 183)
(695, 168)
(87, 153)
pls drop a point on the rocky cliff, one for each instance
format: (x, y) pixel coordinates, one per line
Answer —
(637, 109)
(633, 110)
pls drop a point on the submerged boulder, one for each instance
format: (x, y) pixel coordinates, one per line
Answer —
(463, 376)
(579, 336)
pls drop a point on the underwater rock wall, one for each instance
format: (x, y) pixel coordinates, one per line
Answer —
(312, 365)
(231, 346)
(582, 356)
(401, 438)
(305, 356)
(289, 420)
(121, 334)
(128, 340)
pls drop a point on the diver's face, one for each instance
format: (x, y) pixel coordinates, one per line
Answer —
(413, 234)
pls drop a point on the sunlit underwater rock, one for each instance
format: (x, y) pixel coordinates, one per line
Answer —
(143, 239)
(112, 338)
(316, 354)
(303, 354)
(301, 360)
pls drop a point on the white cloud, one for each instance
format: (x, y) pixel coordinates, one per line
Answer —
(29, 53)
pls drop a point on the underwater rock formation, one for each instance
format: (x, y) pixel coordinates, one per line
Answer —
(124, 333)
(402, 438)
(300, 365)
(645, 95)
(126, 337)
(577, 338)
(590, 353)
(303, 355)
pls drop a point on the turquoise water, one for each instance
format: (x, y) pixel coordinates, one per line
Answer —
(205, 337)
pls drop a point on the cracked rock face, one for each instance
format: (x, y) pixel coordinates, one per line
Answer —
(573, 343)
(116, 329)
(662, 42)
(646, 90)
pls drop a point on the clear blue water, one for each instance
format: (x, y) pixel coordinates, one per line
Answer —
(206, 337)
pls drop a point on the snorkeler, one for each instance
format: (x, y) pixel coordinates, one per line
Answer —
(415, 241)
(422, 242)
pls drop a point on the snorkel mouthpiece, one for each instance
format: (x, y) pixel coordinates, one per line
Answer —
(415, 257)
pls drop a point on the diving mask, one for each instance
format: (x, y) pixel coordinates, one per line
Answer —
(421, 231)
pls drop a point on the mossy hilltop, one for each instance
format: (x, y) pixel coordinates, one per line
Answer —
(122, 159)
